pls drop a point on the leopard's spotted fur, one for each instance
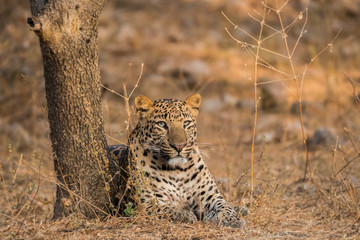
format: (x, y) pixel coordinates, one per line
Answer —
(174, 179)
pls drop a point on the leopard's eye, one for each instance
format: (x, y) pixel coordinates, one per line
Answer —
(161, 124)
(186, 123)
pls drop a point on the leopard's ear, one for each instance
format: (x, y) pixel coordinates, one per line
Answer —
(193, 102)
(144, 106)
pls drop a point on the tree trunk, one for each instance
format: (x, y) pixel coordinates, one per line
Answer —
(68, 33)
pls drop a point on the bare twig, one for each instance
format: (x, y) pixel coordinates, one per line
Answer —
(355, 95)
(5, 188)
(17, 169)
(31, 203)
(113, 91)
(237, 27)
(247, 172)
(260, 55)
(254, 46)
(138, 80)
(127, 97)
(329, 45)
(351, 136)
(63, 186)
(347, 164)
(256, 97)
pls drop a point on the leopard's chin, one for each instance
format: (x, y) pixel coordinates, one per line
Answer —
(178, 160)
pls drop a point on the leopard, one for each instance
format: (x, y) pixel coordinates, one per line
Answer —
(173, 179)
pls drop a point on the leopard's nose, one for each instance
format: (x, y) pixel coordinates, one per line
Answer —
(178, 147)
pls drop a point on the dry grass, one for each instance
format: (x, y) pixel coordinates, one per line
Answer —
(185, 49)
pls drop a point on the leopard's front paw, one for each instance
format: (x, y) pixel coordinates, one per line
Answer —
(230, 220)
(185, 216)
(233, 222)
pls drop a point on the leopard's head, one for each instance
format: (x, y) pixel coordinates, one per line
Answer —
(168, 127)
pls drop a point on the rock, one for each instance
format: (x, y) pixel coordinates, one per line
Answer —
(211, 105)
(354, 180)
(269, 129)
(301, 189)
(295, 108)
(128, 37)
(246, 103)
(307, 108)
(190, 74)
(16, 133)
(197, 68)
(273, 97)
(322, 137)
(230, 100)
(291, 130)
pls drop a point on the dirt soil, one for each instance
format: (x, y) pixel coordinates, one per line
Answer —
(185, 49)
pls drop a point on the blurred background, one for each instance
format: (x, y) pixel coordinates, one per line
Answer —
(185, 49)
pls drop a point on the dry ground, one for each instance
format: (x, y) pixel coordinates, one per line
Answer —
(185, 49)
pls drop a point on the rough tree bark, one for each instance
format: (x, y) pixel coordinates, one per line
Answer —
(68, 33)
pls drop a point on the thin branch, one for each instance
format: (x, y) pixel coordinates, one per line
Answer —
(301, 32)
(31, 203)
(237, 27)
(269, 66)
(247, 172)
(138, 80)
(347, 164)
(256, 99)
(275, 81)
(329, 45)
(276, 31)
(356, 97)
(114, 139)
(17, 168)
(246, 45)
(112, 91)
(5, 188)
